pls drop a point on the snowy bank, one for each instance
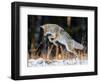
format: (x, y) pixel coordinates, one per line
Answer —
(41, 62)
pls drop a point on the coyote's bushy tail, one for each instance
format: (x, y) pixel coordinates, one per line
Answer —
(77, 45)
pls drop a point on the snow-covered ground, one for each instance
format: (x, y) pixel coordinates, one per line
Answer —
(42, 62)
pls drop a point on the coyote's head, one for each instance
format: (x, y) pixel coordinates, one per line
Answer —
(48, 29)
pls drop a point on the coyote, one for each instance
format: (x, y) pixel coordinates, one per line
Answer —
(58, 34)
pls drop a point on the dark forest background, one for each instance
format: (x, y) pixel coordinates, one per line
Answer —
(75, 26)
